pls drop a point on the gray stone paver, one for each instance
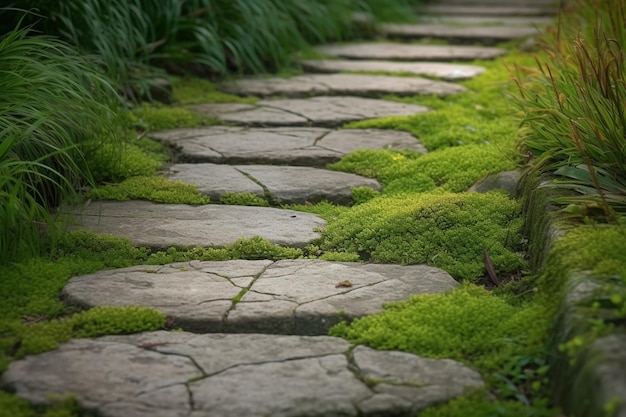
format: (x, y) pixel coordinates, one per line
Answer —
(287, 184)
(183, 374)
(488, 10)
(339, 84)
(317, 111)
(280, 146)
(406, 52)
(487, 20)
(164, 225)
(284, 297)
(487, 35)
(448, 72)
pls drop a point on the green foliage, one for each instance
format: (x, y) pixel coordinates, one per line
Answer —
(100, 321)
(574, 108)
(449, 231)
(363, 194)
(112, 163)
(153, 188)
(53, 105)
(468, 324)
(369, 162)
(243, 199)
(155, 117)
(191, 90)
(325, 209)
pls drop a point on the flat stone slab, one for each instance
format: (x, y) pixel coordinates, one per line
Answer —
(300, 296)
(405, 52)
(487, 10)
(487, 20)
(316, 111)
(339, 84)
(163, 374)
(164, 225)
(488, 35)
(280, 145)
(284, 184)
(448, 72)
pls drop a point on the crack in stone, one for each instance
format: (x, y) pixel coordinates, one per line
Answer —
(249, 289)
(192, 403)
(215, 299)
(322, 136)
(347, 291)
(290, 112)
(266, 191)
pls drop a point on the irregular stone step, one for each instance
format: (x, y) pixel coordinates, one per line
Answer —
(163, 374)
(487, 20)
(164, 225)
(487, 10)
(448, 72)
(285, 184)
(285, 297)
(404, 52)
(316, 111)
(339, 84)
(309, 146)
(488, 35)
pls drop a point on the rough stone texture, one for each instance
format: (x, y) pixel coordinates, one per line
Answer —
(339, 84)
(181, 374)
(488, 10)
(404, 52)
(316, 111)
(165, 225)
(284, 297)
(488, 35)
(506, 180)
(448, 72)
(285, 184)
(279, 146)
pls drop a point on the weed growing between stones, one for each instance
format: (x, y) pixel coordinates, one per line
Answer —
(243, 199)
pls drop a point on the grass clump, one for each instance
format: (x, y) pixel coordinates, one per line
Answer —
(153, 188)
(445, 230)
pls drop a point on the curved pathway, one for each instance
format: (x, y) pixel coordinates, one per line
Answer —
(253, 343)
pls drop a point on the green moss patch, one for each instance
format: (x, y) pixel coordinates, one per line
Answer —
(243, 199)
(154, 117)
(152, 188)
(449, 231)
(191, 90)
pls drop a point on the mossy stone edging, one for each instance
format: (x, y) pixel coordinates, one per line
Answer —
(587, 363)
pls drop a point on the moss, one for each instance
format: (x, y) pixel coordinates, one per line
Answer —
(109, 163)
(153, 188)
(326, 210)
(449, 231)
(60, 406)
(362, 195)
(155, 117)
(243, 199)
(190, 90)
(468, 324)
(370, 162)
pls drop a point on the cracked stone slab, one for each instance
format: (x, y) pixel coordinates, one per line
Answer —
(339, 84)
(287, 184)
(488, 35)
(448, 72)
(487, 20)
(406, 52)
(317, 111)
(284, 297)
(279, 146)
(183, 374)
(165, 225)
(488, 10)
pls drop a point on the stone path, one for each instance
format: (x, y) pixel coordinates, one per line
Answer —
(257, 347)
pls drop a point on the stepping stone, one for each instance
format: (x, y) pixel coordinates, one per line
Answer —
(163, 225)
(448, 72)
(487, 10)
(404, 52)
(284, 184)
(484, 34)
(339, 84)
(280, 145)
(177, 374)
(316, 111)
(487, 20)
(299, 296)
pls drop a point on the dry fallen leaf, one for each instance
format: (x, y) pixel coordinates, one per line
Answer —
(343, 284)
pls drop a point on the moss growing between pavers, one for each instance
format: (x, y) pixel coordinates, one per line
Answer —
(451, 169)
(190, 90)
(155, 117)
(468, 324)
(152, 188)
(243, 199)
(449, 231)
(110, 164)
